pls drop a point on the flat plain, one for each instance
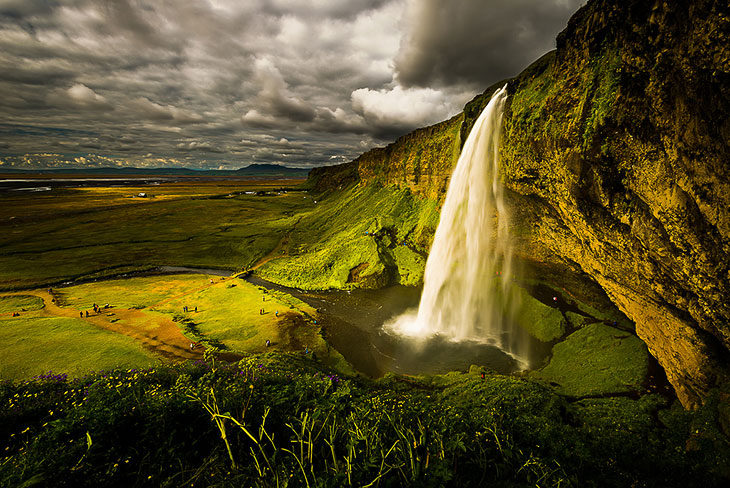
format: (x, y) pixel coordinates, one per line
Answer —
(66, 234)
(65, 251)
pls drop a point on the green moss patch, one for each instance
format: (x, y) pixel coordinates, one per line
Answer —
(597, 360)
(541, 321)
(363, 236)
(410, 265)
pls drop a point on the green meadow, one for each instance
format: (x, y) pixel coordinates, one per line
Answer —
(80, 234)
(37, 345)
(247, 406)
(228, 314)
(96, 232)
(12, 304)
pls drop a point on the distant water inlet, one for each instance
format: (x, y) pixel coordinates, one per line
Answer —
(468, 288)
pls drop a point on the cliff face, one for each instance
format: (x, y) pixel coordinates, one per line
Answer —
(616, 152)
(620, 147)
(420, 161)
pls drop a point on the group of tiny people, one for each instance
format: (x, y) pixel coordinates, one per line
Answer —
(263, 311)
(193, 345)
(97, 309)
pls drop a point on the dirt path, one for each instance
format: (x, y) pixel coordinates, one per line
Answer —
(279, 251)
(159, 334)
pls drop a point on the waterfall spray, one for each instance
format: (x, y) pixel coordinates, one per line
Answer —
(467, 292)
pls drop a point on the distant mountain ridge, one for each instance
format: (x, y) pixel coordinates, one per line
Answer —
(270, 170)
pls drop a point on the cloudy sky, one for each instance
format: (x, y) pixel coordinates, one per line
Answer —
(227, 83)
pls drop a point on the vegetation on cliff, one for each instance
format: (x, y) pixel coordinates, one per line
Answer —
(364, 235)
(613, 144)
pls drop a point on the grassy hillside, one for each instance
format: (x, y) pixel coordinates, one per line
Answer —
(364, 235)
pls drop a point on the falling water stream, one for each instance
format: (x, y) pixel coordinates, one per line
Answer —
(468, 291)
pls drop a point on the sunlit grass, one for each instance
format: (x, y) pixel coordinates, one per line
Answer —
(358, 226)
(137, 292)
(11, 304)
(104, 231)
(221, 312)
(35, 345)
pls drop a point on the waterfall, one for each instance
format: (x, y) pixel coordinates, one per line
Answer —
(467, 293)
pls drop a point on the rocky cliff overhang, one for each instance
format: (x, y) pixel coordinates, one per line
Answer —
(616, 154)
(619, 145)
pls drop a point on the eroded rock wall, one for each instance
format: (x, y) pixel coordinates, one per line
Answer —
(622, 139)
(420, 161)
(616, 156)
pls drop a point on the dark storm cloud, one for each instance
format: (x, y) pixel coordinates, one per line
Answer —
(19, 9)
(477, 42)
(323, 8)
(35, 73)
(226, 83)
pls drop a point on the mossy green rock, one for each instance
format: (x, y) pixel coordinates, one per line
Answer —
(575, 320)
(541, 321)
(597, 360)
(616, 148)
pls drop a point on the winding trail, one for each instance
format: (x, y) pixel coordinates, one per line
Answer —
(279, 251)
(159, 334)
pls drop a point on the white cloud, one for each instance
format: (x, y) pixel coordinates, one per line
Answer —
(79, 96)
(84, 94)
(399, 107)
(147, 109)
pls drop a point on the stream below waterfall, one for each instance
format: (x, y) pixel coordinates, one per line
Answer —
(353, 320)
